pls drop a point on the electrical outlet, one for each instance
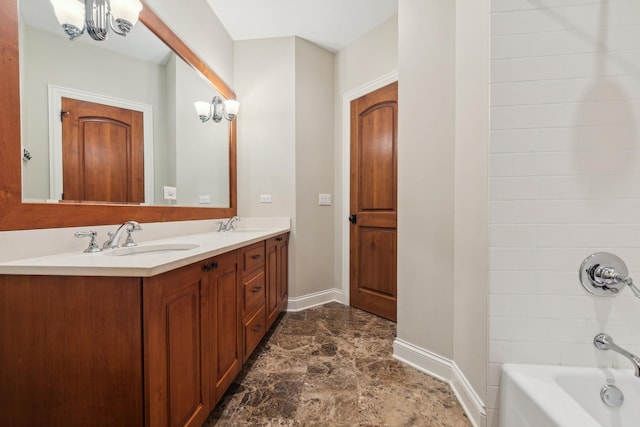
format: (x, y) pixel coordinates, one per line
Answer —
(265, 198)
(204, 200)
(324, 199)
(170, 193)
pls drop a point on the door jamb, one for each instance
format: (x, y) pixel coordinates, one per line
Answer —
(373, 85)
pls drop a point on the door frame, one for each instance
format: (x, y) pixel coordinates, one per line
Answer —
(56, 93)
(346, 170)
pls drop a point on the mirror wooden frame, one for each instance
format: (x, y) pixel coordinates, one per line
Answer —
(16, 215)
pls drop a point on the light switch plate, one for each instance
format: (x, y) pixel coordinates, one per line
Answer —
(265, 198)
(170, 193)
(324, 199)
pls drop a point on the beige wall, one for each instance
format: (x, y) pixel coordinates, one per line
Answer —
(470, 254)
(426, 63)
(314, 155)
(285, 148)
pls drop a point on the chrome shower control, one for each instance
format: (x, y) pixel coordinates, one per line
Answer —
(605, 274)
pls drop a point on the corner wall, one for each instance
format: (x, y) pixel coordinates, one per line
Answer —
(564, 174)
(285, 149)
(426, 98)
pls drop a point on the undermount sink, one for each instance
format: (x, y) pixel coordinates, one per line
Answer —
(165, 248)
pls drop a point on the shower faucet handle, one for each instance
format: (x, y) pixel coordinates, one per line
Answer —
(605, 274)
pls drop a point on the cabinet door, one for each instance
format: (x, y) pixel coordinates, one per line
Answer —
(176, 385)
(224, 324)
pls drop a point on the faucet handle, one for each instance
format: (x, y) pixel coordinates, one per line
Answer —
(93, 246)
(133, 227)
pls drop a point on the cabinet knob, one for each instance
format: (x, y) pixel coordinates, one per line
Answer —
(279, 239)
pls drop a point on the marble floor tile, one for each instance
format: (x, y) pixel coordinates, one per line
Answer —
(332, 366)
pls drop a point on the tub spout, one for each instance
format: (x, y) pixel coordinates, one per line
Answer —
(605, 342)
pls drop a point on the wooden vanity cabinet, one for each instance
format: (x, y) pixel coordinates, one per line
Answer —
(175, 341)
(252, 278)
(223, 323)
(70, 351)
(193, 340)
(128, 351)
(277, 249)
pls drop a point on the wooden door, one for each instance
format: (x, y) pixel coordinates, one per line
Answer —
(373, 202)
(102, 153)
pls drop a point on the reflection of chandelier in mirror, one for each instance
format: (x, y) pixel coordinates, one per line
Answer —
(96, 16)
(217, 109)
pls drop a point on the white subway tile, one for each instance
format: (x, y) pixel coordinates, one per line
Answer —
(539, 352)
(512, 282)
(493, 396)
(559, 283)
(527, 21)
(499, 351)
(513, 188)
(512, 235)
(500, 305)
(494, 374)
(513, 259)
(579, 65)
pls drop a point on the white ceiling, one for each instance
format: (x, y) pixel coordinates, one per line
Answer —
(332, 24)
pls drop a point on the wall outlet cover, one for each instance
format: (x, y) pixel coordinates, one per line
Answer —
(265, 198)
(204, 200)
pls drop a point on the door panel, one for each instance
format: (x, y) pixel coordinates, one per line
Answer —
(102, 153)
(373, 201)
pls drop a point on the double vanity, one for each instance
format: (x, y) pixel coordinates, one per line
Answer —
(151, 335)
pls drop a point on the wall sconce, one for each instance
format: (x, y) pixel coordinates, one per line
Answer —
(96, 16)
(217, 109)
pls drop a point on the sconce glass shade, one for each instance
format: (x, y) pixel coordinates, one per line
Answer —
(231, 107)
(203, 109)
(127, 10)
(96, 16)
(69, 12)
(217, 109)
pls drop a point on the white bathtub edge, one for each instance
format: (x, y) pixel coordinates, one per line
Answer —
(445, 370)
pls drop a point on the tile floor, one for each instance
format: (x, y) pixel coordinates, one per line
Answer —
(332, 366)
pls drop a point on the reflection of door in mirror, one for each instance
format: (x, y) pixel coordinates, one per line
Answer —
(103, 153)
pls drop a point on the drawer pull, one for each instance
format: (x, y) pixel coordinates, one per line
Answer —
(279, 239)
(211, 266)
(257, 328)
(255, 257)
(256, 289)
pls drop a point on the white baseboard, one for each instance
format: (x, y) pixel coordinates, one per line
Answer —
(312, 300)
(447, 371)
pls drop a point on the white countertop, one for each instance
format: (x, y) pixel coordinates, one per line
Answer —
(143, 265)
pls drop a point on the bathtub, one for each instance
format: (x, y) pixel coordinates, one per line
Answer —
(562, 396)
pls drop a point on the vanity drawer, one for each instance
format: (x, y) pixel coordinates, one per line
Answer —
(253, 291)
(252, 257)
(254, 330)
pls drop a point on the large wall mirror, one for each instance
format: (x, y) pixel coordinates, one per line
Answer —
(150, 73)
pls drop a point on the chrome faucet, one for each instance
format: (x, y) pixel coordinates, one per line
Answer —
(114, 238)
(230, 225)
(605, 342)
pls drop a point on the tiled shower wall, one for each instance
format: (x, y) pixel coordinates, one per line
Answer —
(564, 179)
